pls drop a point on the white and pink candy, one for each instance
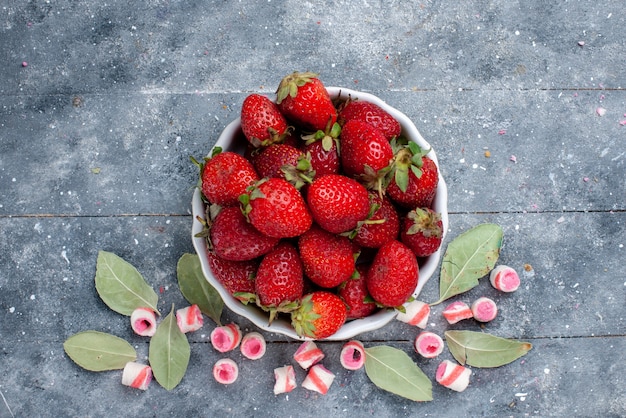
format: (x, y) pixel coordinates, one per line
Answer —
(189, 319)
(318, 379)
(225, 371)
(457, 311)
(504, 278)
(285, 379)
(428, 344)
(352, 355)
(253, 345)
(484, 309)
(143, 322)
(308, 354)
(453, 376)
(226, 337)
(137, 375)
(415, 313)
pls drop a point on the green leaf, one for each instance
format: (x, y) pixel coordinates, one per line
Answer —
(169, 353)
(394, 371)
(121, 286)
(469, 257)
(479, 349)
(99, 351)
(196, 289)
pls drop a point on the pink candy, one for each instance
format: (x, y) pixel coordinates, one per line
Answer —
(189, 319)
(457, 311)
(225, 371)
(285, 379)
(352, 355)
(143, 322)
(137, 375)
(253, 346)
(226, 338)
(308, 354)
(318, 379)
(504, 278)
(484, 309)
(416, 313)
(428, 344)
(453, 376)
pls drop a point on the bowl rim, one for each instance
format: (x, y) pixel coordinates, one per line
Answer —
(353, 327)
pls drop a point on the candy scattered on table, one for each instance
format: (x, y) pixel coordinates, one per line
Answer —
(352, 355)
(308, 354)
(484, 309)
(253, 346)
(226, 337)
(225, 371)
(137, 375)
(457, 311)
(143, 322)
(453, 376)
(504, 278)
(285, 379)
(318, 379)
(428, 344)
(415, 313)
(189, 319)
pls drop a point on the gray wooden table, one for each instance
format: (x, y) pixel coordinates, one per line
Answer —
(101, 105)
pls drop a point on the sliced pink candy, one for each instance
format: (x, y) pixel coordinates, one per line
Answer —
(226, 338)
(225, 371)
(137, 375)
(416, 313)
(189, 319)
(457, 311)
(318, 379)
(253, 345)
(504, 278)
(484, 309)
(428, 344)
(143, 322)
(308, 354)
(352, 355)
(285, 379)
(453, 376)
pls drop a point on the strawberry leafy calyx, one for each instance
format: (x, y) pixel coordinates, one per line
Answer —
(304, 317)
(327, 136)
(288, 86)
(408, 157)
(300, 174)
(424, 221)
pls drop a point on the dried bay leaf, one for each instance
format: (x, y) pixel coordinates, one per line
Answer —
(394, 371)
(469, 257)
(121, 286)
(98, 351)
(479, 349)
(196, 289)
(169, 352)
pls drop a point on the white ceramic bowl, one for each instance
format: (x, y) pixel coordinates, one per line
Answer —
(282, 325)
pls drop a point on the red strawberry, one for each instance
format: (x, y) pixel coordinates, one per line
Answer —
(235, 276)
(338, 203)
(279, 280)
(304, 100)
(320, 315)
(276, 208)
(224, 176)
(327, 258)
(415, 178)
(393, 275)
(382, 226)
(262, 122)
(323, 161)
(284, 161)
(365, 153)
(370, 113)
(233, 238)
(354, 293)
(422, 231)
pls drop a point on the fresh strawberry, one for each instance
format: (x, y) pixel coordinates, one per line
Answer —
(337, 202)
(354, 293)
(323, 161)
(235, 276)
(422, 231)
(370, 113)
(284, 161)
(279, 281)
(382, 226)
(320, 315)
(224, 176)
(393, 275)
(262, 122)
(276, 208)
(414, 178)
(327, 258)
(304, 100)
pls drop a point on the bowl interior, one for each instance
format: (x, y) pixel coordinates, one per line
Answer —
(228, 141)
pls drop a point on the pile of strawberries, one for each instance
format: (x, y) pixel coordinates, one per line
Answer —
(326, 215)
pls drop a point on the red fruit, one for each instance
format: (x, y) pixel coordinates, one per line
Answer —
(284, 161)
(382, 226)
(327, 258)
(338, 203)
(320, 315)
(276, 208)
(370, 113)
(262, 122)
(235, 276)
(422, 231)
(354, 293)
(279, 281)
(415, 178)
(304, 100)
(323, 161)
(225, 176)
(233, 238)
(393, 275)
